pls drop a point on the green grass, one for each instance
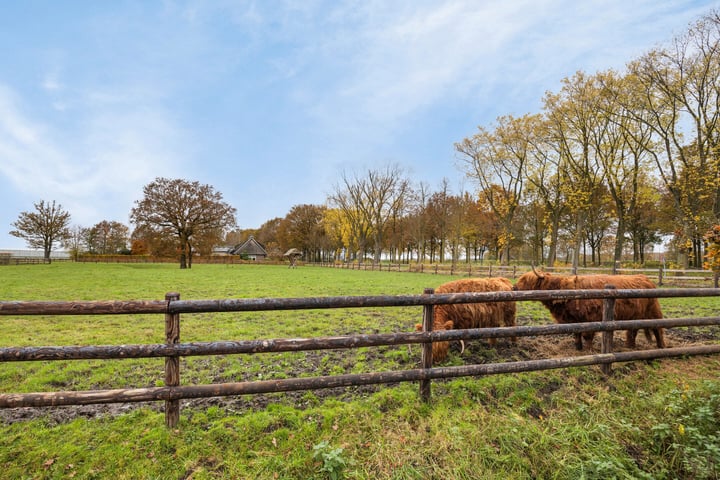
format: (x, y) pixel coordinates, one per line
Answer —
(648, 420)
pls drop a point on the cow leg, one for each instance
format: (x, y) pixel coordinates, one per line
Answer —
(630, 338)
(659, 337)
(578, 341)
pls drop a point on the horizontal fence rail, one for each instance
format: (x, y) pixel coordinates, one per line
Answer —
(358, 379)
(173, 349)
(309, 303)
(25, 354)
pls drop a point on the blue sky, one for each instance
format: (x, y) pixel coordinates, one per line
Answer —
(270, 101)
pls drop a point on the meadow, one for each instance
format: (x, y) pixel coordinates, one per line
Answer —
(647, 420)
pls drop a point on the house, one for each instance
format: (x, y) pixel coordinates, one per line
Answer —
(250, 250)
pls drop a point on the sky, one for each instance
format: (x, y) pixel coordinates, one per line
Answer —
(270, 102)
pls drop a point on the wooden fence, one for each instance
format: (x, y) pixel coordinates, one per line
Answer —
(172, 307)
(660, 275)
(8, 260)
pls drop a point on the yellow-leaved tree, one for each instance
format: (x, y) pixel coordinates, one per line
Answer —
(712, 252)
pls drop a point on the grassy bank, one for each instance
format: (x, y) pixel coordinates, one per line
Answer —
(656, 420)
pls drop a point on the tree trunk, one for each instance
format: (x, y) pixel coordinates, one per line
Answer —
(552, 248)
(183, 251)
(580, 224)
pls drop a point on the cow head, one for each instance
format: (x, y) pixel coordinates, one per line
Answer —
(532, 281)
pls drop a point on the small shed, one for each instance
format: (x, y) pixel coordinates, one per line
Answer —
(293, 254)
(251, 249)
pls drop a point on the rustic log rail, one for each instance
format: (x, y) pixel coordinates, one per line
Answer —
(172, 350)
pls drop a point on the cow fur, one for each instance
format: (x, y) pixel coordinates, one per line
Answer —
(576, 311)
(471, 315)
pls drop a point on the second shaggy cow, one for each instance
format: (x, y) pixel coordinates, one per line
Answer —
(576, 311)
(471, 315)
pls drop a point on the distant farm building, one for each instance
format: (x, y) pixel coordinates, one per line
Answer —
(250, 250)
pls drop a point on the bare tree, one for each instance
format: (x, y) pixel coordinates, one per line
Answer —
(370, 202)
(187, 210)
(43, 228)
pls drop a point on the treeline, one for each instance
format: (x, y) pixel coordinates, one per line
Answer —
(615, 162)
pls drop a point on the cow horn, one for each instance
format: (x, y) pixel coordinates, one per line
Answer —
(532, 265)
(462, 346)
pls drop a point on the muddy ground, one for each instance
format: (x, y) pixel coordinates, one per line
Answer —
(316, 363)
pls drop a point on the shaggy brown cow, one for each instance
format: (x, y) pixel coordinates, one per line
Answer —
(471, 315)
(576, 311)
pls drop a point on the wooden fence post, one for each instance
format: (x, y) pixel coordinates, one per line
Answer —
(660, 276)
(172, 364)
(608, 315)
(426, 356)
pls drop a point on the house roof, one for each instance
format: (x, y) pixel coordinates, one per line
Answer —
(250, 247)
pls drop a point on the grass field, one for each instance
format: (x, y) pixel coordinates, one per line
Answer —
(648, 420)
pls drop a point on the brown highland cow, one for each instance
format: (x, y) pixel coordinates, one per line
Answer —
(471, 315)
(590, 310)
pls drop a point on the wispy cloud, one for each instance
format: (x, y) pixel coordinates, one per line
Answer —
(108, 159)
(389, 60)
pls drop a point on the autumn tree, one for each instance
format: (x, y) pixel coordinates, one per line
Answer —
(185, 210)
(680, 93)
(107, 237)
(46, 226)
(496, 160)
(572, 117)
(437, 220)
(303, 228)
(337, 231)
(267, 235)
(546, 187)
(151, 241)
(712, 252)
(417, 221)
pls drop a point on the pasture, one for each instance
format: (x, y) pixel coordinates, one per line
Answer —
(656, 420)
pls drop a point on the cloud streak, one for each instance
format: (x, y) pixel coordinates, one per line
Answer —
(108, 159)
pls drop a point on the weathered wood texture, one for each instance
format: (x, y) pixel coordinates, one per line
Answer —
(10, 354)
(607, 335)
(48, 399)
(172, 350)
(426, 355)
(266, 304)
(82, 308)
(172, 363)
